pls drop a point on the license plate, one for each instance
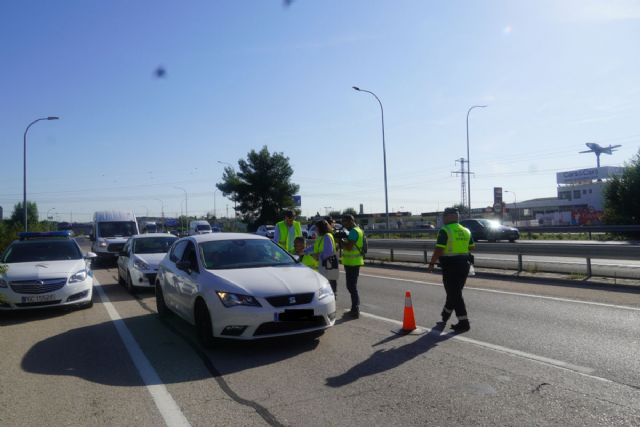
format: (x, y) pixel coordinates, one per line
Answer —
(290, 315)
(39, 298)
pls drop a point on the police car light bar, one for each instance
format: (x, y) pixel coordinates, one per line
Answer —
(44, 235)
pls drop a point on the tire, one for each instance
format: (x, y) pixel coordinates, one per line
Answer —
(161, 305)
(204, 329)
(132, 289)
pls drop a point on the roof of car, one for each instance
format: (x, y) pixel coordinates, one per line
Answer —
(146, 235)
(225, 236)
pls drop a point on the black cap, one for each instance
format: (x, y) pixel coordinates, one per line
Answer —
(451, 211)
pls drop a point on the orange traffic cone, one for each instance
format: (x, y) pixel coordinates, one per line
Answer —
(409, 320)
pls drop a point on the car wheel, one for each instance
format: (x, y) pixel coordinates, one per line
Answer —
(512, 240)
(204, 329)
(132, 289)
(161, 305)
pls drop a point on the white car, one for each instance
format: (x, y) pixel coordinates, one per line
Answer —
(138, 261)
(242, 286)
(45, 269)
(266, 230)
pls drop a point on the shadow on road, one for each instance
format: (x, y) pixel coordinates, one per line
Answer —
(387, 359)
(17, 317)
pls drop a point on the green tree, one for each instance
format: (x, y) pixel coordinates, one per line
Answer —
(17, 217)
(262, 187)
(336, 215)
(350, 211)
(621, 195)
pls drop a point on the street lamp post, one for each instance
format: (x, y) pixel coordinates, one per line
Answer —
(515, 204)
(384, 155)
(24, 175)
(186, 203)
(49, 218)
(469, 160)
(215, 214)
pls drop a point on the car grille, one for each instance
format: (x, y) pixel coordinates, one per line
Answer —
(151, 277)
(271, 328)
(115, 247)
(288, 300)
(37, 304)
(37, 286)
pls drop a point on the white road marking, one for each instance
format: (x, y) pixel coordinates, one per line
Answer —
(168, 407)
(581, 370)
(495, 291)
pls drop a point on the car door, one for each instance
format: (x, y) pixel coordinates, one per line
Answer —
(187, 287)
(123, 260)
(171, 275)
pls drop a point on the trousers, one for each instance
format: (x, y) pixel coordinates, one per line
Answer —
(352, 272)
(455, 270)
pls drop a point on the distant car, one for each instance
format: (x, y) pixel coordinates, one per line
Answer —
(312, 232)
(266, 230)
(45, 269)
(199, 227)
(490, 230)
(138, 261)
(242, 286)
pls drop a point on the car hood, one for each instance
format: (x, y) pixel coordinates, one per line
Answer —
(151, 260)
(270, 281)
(111, 240)
(43, 270)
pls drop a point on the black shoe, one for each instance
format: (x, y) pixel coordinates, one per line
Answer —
(461, 326)
(354, 313)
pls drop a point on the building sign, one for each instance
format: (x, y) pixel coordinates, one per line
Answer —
(497, 195)
(297, 201)
(589, 174)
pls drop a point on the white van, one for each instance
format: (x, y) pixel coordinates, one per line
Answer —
(199, 227)
(111, 230)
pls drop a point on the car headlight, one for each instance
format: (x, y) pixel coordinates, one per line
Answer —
(231, 300)
(4, 283)
(141, 265)
(102, 243)
(78, 277)
(325, 291)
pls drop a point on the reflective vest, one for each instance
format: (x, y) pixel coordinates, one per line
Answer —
(310, 261)
(286, 243)
(457, 239)
(354, 256)
(318, 246)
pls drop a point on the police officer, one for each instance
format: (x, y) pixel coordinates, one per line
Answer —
(452, 250)
(286, 231)
(352, 259)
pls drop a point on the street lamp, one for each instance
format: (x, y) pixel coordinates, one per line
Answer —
(186, 203)
(468, 159)
(515, 204)
(49, 218)
(384, 155)
(24, 176)
(215, 214)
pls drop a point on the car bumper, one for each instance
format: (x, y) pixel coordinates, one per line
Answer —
(143, 279)
(69, 294)
(248, 323)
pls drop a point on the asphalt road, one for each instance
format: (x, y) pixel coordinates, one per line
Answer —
(537, 354)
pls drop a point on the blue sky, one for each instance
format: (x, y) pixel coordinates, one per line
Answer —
(242, 74)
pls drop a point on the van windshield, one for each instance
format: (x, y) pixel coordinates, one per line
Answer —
(203, 227)
(117, 229)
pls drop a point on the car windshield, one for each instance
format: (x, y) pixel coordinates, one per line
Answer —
(203, 227)
(61, 250)
(153, 245)
(489, 223)
(117, 229)
(243, 253)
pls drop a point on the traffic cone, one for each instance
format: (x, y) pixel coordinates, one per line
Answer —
(409, 320)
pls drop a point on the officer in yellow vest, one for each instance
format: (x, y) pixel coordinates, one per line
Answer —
(452, 250)
(352, 259)
(286, 231)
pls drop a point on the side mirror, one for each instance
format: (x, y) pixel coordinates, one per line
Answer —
(184, 266)
(90, 255)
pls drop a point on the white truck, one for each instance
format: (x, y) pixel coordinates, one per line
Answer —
(111, 230)
(199, 227)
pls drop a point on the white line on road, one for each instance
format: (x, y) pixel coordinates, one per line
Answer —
(495, 291)
(168, 407)
(581, 370)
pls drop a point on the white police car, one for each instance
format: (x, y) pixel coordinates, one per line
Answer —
(45, 269)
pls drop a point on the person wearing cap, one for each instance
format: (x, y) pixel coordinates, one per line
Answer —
(452, 250)
(353, 259)
(286, 231)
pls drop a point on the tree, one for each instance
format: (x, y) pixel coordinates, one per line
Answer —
(335, 214)
(262, 187)
(17, 217)
(621, 201)
(350, 211)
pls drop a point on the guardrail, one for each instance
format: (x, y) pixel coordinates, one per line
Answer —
(587, 251)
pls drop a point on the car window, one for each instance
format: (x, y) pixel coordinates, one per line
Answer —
(34, 251)
(117, 229)
(178, 250)
(243, 253)
(189, 255)
(153, 245)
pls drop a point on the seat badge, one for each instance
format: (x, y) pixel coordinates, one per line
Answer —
(292, 300)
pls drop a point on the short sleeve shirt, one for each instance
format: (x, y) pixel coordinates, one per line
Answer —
(443, 237)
